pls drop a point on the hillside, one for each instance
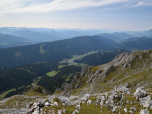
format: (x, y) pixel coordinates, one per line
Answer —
(122, 35)
(100, 58)
(17, 44)
(5, 39)
(133, 69)
(64, 74)
(110, 36)
(53, 51)
(139, 43)
(1, 47)
(18, 78)
(118, 87)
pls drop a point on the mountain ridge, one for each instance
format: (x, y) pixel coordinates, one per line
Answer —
(100, 57)
(93, 78)
(35, 36)
(138, 43)
(6, 38)
(116, 36)
(53, 51)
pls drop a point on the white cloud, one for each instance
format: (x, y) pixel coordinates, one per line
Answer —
(64, 5)
(142, 3)
(33, 6)
(150, 28)
(7, 2)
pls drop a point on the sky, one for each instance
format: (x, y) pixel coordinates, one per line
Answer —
(87, 14)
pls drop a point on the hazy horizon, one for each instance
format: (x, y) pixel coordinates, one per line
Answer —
(87, 14)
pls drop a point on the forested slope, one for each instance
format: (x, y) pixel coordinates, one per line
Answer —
(53, 51)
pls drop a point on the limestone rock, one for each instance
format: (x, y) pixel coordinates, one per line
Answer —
(65, 101)
(59, 112)
(65, 86)
(46, 104)
(89, 102)
(146, 101)
(75, 79)
(78, 107)
(55, 103)
(86, 96)
(79, 84)
(110, 102)
(76, 111)
(130, 111)
(144, 111)
(105, 73)
(85, 71)
(134, 109)
(101, 99)
(84, 99)
(125, 109)
(121, 58)
(140, 93)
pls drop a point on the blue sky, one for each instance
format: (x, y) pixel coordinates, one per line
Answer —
(112, 14)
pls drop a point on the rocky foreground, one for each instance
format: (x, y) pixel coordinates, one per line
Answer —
(118, 101)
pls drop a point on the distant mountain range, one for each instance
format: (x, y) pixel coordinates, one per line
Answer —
(122, 35)
(54, 51)
(139, 43)
(69, 33)
(36, 36)
(46, 34)
(117, 37)
(5, 39)
(140, 33)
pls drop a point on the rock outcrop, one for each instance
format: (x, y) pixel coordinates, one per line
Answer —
(36, 88)
(140, 93)
(117, 72)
